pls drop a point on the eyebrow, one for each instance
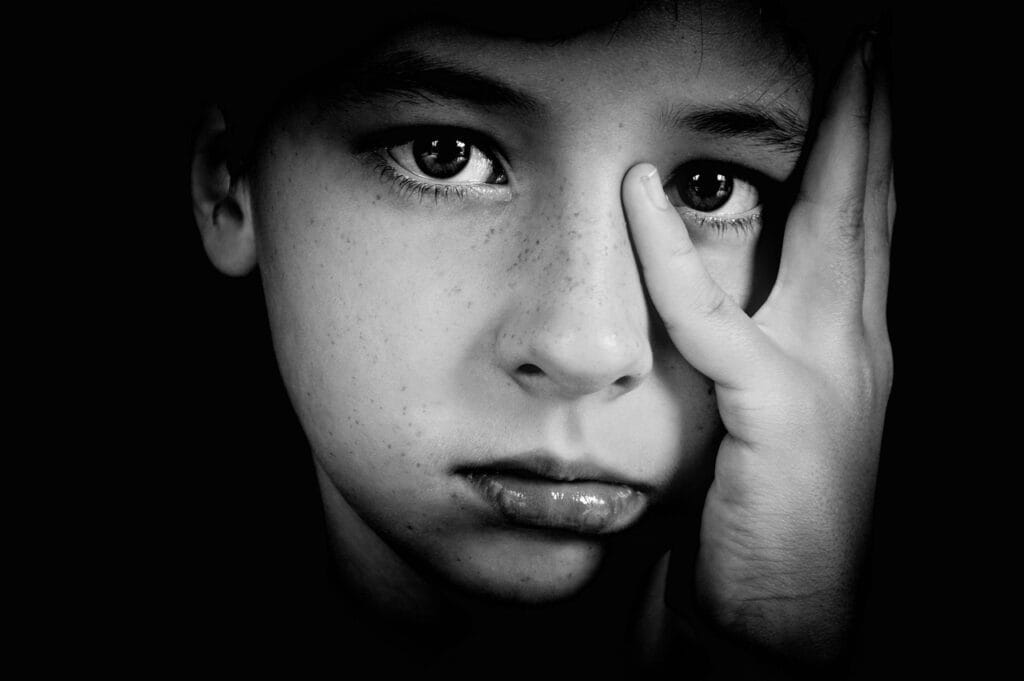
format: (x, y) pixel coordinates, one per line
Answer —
(408, 73)
(413, 74)
(779, 128)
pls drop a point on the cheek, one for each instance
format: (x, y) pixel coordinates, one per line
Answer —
(384, 320)
(369, 318)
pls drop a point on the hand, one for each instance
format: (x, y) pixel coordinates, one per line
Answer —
(801, 386)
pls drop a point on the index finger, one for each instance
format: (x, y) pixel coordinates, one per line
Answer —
(708, 327)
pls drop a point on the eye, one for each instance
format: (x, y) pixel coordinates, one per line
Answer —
(448, 157)
(715, 189)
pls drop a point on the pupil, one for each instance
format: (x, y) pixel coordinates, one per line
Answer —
(707, 191)
(441, 157)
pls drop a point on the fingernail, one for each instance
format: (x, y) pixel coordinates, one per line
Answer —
(652, 185)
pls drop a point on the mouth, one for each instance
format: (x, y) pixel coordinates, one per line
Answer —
(543, 491)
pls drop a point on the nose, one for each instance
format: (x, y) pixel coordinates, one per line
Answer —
(578, 324)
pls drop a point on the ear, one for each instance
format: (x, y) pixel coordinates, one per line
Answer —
(221, 204)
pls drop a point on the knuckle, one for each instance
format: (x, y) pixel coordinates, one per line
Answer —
(683, 249)
(711, 301)
(702, 299)
(848, 213)
(878, 184)
(842, 211)
(866, 373)
(879, 233)
(861, 117)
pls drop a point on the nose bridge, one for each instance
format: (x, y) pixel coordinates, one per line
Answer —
(581, 321)
(585, 277)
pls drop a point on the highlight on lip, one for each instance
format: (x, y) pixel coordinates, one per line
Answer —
(539, 491)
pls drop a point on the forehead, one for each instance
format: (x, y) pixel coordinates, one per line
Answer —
(723, 54)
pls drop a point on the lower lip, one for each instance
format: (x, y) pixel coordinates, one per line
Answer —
(586, 507)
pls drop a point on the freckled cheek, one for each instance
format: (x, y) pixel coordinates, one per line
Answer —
(372, 322)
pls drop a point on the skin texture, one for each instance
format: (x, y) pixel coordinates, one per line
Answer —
(801, 387)
(402, 325)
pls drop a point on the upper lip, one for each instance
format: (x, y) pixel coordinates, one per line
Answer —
(543, 463)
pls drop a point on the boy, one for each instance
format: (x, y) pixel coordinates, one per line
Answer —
(587, 339)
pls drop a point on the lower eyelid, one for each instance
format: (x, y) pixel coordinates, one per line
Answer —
(746, 222)
(753, 212)
(406, 186)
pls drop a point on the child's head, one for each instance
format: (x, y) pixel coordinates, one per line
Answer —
(458, 314)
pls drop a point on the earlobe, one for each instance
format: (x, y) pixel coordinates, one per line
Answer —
(221, 204)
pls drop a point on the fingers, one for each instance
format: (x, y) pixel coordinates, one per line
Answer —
(892, 203)
(710, 330)
(877, 202)
(821, 275)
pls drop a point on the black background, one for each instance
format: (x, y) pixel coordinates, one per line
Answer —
(209, 551)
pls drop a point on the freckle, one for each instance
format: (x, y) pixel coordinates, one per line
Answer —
(408, 527)
(378, 197)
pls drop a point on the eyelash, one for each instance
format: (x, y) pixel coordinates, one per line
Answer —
(743, 224)
(406, 187)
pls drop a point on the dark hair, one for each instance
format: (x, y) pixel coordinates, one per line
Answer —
(287, 53)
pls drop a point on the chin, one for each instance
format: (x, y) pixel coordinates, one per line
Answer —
(528, 566)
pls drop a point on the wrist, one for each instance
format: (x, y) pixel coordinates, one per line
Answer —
(746, 634)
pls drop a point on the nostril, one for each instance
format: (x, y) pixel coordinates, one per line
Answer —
(625, 381)
(529, 369)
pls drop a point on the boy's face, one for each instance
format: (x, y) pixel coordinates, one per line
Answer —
(457, 310)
